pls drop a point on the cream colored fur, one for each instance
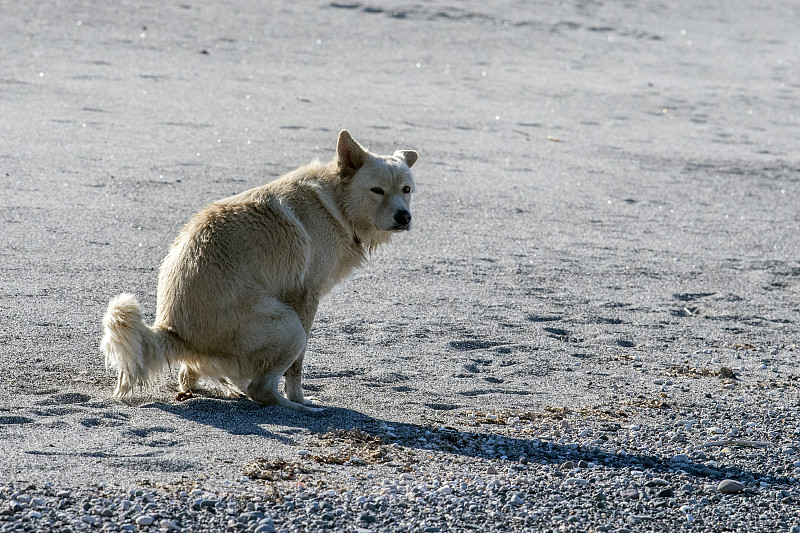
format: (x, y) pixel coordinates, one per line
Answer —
(238, 291)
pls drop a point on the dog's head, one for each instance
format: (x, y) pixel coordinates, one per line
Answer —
(377, 187)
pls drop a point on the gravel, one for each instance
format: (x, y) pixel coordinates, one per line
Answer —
(555, 470)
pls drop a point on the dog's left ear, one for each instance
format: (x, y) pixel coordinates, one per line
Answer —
(409, 156)
(350, 154)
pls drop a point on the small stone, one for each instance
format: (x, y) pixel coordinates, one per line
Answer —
(145, 520)
(251, 516)
(726, 373)
(367, 518)
(730, 486)
(657, 482)
(63, 494)
(169, 525)
(491, 470)
(629, 494)
(658, 381)
(265, 526)
(665, 493)
(568, 465)
(583, 464)
(576, 481)
(516, 499)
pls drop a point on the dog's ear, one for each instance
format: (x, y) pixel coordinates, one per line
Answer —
(409, 156)
(350, 154)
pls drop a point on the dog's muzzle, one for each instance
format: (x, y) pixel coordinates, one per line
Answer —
(403, 220)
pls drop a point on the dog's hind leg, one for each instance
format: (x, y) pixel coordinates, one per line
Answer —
(264, 389)
(187, 378)
(281, 341)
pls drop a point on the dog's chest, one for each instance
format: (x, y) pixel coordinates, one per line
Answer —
(335, 263)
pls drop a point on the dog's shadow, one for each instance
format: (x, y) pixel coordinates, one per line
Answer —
(244, 417)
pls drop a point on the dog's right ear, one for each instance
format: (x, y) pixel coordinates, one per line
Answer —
(350, 154)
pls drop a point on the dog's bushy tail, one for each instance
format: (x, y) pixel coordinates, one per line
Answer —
(135, 350)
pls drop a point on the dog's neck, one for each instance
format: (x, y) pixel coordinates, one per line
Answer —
(328, 187)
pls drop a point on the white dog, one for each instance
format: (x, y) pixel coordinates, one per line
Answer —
(239, 289)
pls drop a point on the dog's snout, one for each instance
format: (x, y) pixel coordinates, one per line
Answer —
(402, 217)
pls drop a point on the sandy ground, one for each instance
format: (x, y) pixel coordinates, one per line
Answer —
(604, 189)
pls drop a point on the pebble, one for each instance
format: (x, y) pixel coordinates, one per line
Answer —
(576, 481)
(169, 525)
(730, 486)
(145, 520)
(265, 528)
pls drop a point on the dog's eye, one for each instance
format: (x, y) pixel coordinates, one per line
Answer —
(406, 189)
(377, 190)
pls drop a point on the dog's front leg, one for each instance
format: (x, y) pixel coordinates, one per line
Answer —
(306, 310)
(294, 383)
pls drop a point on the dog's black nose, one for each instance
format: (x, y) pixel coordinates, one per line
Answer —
(402, 217)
